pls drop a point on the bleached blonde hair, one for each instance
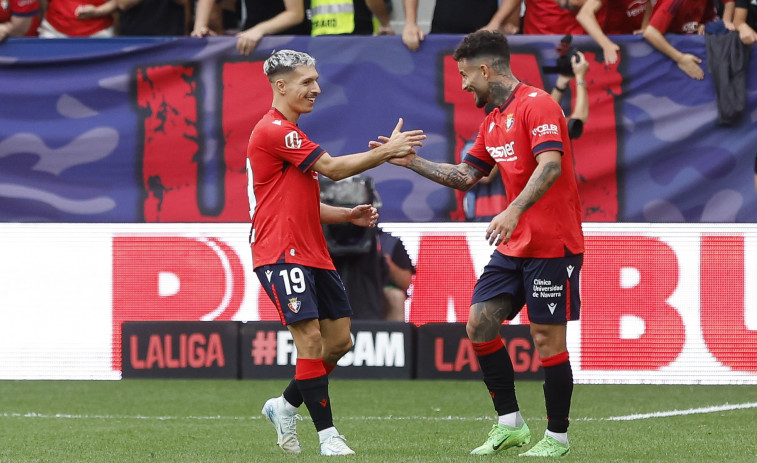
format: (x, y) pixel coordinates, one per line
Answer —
(285, 61)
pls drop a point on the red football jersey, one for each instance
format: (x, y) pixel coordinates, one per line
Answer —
(61, 14)
(285, 196)
(622, 16)
(681, 16)
(545, 17)
(529, 123)
(21, 8)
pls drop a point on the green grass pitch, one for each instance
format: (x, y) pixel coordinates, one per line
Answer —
(384, 421)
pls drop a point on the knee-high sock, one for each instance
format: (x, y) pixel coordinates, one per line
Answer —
(558, 391)
(292, 392)
(313, 383)
(498, 374)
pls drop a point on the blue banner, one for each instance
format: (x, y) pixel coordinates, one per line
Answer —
(155, 130)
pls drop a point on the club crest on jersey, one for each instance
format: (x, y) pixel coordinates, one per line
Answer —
(294, 305)
(510, 121)
(292, 140)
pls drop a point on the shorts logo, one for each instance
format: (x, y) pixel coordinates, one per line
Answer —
(294, 305)
(292, 140)
(268, 275)
(552, 306)
(569, 268)
(510, 121)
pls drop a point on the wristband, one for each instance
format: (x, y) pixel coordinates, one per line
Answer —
(561, 90)
(581, 82)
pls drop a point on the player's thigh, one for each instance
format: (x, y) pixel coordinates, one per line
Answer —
(333, 302)
(503, 275)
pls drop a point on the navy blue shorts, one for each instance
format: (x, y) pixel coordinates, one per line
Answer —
(549, 286)
(304, 293)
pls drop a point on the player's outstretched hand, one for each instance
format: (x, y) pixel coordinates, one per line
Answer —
(364, 215)
(400, 144)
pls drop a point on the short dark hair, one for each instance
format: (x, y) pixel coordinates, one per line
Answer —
(485, 43)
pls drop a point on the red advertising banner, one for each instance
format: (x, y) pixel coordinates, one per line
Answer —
(660, 303)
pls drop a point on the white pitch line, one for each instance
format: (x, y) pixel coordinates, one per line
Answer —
(638, 416)
(690, 411)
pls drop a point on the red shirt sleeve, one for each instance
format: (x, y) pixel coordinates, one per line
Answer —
(545, 120)
(663, 14)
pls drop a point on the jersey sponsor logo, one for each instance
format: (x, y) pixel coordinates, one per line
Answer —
(294, 304)
(506, 152)
(690, 27)
(292, 140)
(510, 121)
(636, 8)
(545, 129)
(21, 3)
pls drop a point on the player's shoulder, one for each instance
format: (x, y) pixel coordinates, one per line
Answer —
(534, 95)
(533, 98)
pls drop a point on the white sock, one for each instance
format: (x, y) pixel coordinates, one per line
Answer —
(326, 433)
(289, 407)
(514, 420)
(561, 437)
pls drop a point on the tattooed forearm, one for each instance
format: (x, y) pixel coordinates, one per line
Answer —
(461, 176)
(537, 185)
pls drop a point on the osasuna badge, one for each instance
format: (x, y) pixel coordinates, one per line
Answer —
(510, 121)
(294, 305)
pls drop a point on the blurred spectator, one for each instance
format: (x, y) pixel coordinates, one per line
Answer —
(18, 18)
(77, 18)
(153, 17)
(342, 17)
(679, 17)
(458, 17)
(397, 277)
(726, 10)
(580, 113)
(544, 17)
(264, 17)
(601, 18)
(299, 17)
(745, 20)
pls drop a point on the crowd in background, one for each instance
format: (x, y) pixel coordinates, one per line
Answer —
(250, 20)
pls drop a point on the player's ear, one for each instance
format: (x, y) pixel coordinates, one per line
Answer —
(280, 86)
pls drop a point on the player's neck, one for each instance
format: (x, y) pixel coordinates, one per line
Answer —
(290, 115)
(501, 89)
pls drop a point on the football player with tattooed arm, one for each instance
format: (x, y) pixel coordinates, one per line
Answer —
(538, 236)
(289, 250)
